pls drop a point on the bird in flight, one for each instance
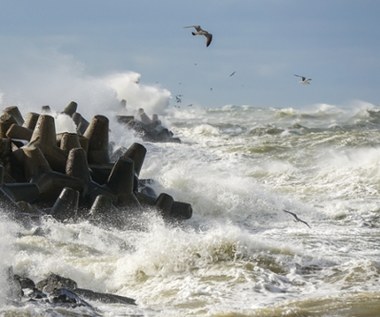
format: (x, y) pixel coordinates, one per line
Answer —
(233, 73)
(304, 80)
(200, 31)
(178, 98)
(296, 217)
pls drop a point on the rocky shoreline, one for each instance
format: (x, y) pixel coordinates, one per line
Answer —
(149, 129)
(56, 291)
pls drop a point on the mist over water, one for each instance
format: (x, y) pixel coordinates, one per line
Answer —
(7, 253)
(54, 79)
(239, 167)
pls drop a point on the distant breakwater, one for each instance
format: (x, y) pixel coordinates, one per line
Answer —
(149, 129)
(71, 176)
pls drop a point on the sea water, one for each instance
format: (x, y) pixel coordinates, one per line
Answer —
(240, 254)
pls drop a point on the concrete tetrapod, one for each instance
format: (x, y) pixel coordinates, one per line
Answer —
(6, 120)
(136, 152)
(70, 173)
(164, 203)
(31, 119)
(77, 167)
(16, 131)
(103, 211)
(15, 113)
(81, 123)
(68, 141)
(37, 171)
(97, 134)
(120, 182)
(70, 109)
(44, 136)
(66, 205)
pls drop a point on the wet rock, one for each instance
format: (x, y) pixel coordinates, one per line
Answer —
(61, 291)
(24, 282)
(14, 292)
(54, 281)
(104, 297)
(66, 297)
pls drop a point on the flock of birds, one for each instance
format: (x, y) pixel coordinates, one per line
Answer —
(199, 31)
(304, 80)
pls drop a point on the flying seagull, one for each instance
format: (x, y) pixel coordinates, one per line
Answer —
(200, 31)
(296, 217)
(304, 80)
(178, 98)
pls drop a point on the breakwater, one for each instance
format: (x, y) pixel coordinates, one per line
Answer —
(71, 176)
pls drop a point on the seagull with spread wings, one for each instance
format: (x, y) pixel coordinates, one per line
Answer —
(304, 80)
(296, 217)
(200, 31)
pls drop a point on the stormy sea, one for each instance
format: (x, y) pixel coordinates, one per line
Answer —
(286, 220)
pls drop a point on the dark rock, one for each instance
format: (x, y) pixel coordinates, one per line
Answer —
(104, 297)
(25, 282)
(64, 291)
(66, 297)
(54, 281)
(15, 290)
(35, 294)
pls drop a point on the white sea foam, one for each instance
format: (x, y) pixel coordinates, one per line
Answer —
(127, 86)
(7, 252)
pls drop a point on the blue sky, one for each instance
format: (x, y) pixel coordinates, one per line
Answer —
(47, 43)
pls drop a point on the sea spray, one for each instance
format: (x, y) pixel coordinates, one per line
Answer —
(152, 98)
(9, 230)
(52, 78)
(240, 253)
